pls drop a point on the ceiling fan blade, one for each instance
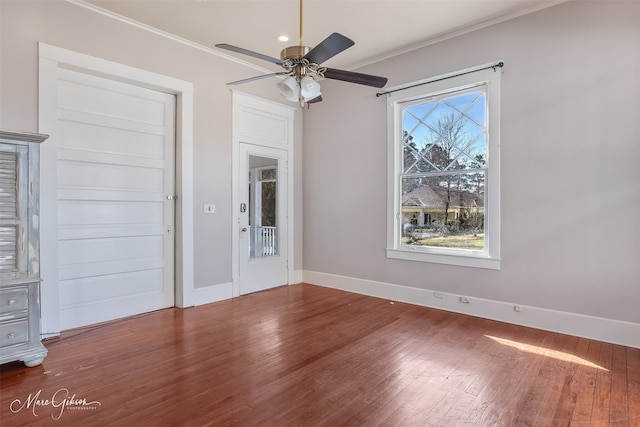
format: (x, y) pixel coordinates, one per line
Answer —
(328, 48)
(316, 99)
(250, 79)
(249, 53)
(351, 77)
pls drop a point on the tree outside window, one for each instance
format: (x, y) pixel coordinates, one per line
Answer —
(443, 181)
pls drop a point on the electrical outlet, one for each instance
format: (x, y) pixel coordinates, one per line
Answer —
(208, 208)
(438, 295)
(465, 300)
(517, 308)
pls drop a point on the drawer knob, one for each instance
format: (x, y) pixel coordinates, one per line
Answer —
(11, 335)
(12, 302)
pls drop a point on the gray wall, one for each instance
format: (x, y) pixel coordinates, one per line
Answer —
(570, 153)
(25, 23)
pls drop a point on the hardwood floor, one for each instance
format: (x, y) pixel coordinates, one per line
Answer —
(305, 355)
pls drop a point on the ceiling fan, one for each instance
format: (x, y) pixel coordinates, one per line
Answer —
(302, 66)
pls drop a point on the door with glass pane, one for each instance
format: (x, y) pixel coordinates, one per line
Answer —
(263, 219)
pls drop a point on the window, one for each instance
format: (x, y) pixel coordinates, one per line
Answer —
(263, 206)
(444, 176)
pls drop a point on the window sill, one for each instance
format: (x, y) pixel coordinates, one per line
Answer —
(459, 259)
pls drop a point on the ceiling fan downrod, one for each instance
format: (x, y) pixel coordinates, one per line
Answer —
(301, 43)
(294, 54)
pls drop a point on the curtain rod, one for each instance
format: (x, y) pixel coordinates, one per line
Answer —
(494, 66)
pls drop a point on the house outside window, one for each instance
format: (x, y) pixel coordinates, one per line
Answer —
(444, 171)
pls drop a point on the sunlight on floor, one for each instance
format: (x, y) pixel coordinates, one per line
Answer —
(559, 355)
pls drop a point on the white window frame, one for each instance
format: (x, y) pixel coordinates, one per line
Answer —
(490, 257)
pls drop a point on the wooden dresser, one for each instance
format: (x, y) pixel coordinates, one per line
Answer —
(20, 248)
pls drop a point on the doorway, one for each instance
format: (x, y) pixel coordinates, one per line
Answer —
(54, 62)
(262, 194)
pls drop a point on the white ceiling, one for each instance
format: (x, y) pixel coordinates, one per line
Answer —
(380, 28)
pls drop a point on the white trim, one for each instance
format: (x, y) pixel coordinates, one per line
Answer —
(368, 61)
(453, 34)
(166, 35)
(441, 258)
(490, 257)
(211, 294)
(580, 325)
(50, 59)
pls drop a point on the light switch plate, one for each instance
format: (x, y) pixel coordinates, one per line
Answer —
(209, 208)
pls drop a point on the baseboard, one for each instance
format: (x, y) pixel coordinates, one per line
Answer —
(204, 295)
(215, 293)
(580, 325)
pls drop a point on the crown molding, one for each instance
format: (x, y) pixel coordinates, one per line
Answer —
(456, 33)
(165, 34)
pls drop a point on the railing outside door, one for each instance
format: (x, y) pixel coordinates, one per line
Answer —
(266, 242)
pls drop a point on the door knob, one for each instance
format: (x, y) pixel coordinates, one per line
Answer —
(244, 229)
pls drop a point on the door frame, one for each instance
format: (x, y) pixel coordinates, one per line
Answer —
(266, 123)
(50, 59)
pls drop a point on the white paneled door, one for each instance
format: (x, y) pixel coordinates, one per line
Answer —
(115, 185)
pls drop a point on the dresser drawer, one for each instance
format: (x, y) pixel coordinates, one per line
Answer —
(14, 333)
(15, 299)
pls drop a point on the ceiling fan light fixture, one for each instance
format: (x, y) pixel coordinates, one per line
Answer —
(309, 88)
(289, 89)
